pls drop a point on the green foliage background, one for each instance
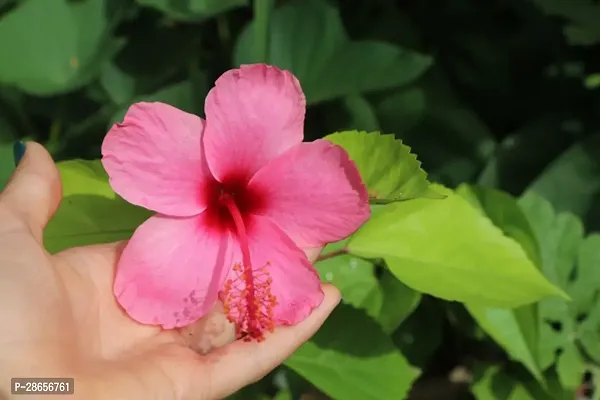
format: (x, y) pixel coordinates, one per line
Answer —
(484, 288)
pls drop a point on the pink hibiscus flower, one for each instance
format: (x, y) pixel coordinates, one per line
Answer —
(237, 196)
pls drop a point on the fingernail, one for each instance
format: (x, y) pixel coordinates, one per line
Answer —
(18, 151)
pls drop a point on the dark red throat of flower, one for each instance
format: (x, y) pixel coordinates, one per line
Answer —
(247, 298)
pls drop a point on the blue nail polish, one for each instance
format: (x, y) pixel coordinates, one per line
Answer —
(18, 151)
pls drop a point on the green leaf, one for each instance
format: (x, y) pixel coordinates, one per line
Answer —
(448, 249)
(493, 385)
(54, 46)
(192, 9)
(420, 336)
(401, 111)
(558, 235)
(387, 167)
(96, 21)
(361, 112)
(585, 287)
(519, 158)
(340, 365)
(181, 95)
(119, 86)
(572, 181)
(7, 165)
(514, 330)
(189, 10)
(592, 81)
(386, 299)
(283, 395)
(582, 16)
(214, 7)
(354, 278)
(504, 211)
(571, 262)
(570, 366)
(41, 56)
(589, 336)
(496, 384)
(90, 211)
(433, 112)
(8, 135)
(399, 302)
(308, 38)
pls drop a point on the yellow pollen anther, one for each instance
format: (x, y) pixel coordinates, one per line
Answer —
(248, 302)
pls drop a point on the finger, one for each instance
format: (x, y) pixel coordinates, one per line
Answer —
(242, 363)
(33, 193)
(214, 330)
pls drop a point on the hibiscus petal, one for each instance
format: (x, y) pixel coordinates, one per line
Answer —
(314, 193)
(154, 159)
(253, 114)
(294, 282)
(172, 269)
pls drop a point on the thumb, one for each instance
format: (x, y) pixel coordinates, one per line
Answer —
(33, 193)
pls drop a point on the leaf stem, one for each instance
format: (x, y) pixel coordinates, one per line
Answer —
(332, 255)
(54, 134)
(53, 142)
(262, 17)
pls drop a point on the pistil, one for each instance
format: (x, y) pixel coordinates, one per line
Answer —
(247, 298)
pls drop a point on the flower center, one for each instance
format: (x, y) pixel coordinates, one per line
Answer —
(246, 200)
(247, 298)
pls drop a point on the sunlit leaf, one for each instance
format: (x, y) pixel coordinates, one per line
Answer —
(90, 211)
(387, 167)
(514, 330)
(448, 249)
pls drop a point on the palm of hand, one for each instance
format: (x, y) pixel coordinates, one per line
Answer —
(72, 323)
(139, 358)
(59, 317)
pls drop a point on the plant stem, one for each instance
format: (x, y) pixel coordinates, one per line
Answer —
(223, 30)
(262, 17)
(332, 255)
(53, 142)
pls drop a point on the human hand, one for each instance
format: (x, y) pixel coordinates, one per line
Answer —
(59, 318)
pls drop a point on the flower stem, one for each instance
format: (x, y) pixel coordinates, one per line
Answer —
(332, 255)
(262, 22)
